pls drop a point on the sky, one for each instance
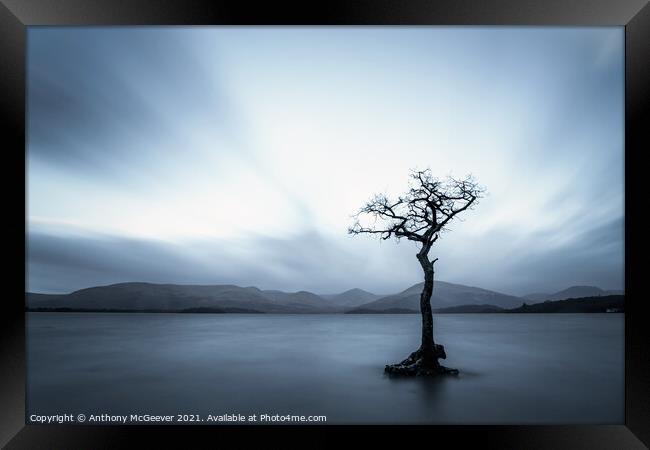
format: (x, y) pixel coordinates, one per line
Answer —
(237, 155)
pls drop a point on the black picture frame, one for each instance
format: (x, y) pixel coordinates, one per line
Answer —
(16, 15)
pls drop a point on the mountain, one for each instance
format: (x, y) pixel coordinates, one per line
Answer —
(445, 295)
(174, 297)
(470, 309)
(447, 298)
(537, 296)
(597, 304)
(302, 301)
(381, 311)
(351, 298)
(572, 292)
(461, 309)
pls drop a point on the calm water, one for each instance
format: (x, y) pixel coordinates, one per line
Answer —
(560, 368)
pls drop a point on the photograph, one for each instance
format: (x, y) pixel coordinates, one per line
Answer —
(325, 225)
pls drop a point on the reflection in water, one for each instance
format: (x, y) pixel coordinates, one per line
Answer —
(513, 368)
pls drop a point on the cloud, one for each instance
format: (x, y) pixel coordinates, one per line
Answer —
(72, 259)
(238, 155)
(65, 261)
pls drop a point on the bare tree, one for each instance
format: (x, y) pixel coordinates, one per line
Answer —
(420, 215)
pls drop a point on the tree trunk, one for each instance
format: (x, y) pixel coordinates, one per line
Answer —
(428, 345)
(424, 361)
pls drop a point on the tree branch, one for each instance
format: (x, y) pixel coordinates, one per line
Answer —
(420, 214)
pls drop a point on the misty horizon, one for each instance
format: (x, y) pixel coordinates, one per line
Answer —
(271, 288)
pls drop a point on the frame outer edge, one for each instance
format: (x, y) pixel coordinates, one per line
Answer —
(12, 328)
(332, 12)
(637, 99)
(19, 13)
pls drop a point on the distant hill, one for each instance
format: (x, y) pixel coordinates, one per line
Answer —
(174, 297)
(470, 309)
(599, 304)
(445, 295)
(461, 309)
(571, 292)
(536, 296)
(448, 298)
(382, 311)
(188, 310)
(297, 302)
(351, 298)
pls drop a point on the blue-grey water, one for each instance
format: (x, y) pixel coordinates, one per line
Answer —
(514, 368)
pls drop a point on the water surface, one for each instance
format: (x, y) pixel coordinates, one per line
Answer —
(514, 368)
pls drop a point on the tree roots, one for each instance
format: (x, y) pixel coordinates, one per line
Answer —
(421, 363)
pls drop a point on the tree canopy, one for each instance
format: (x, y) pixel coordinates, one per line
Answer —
(420, 214)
